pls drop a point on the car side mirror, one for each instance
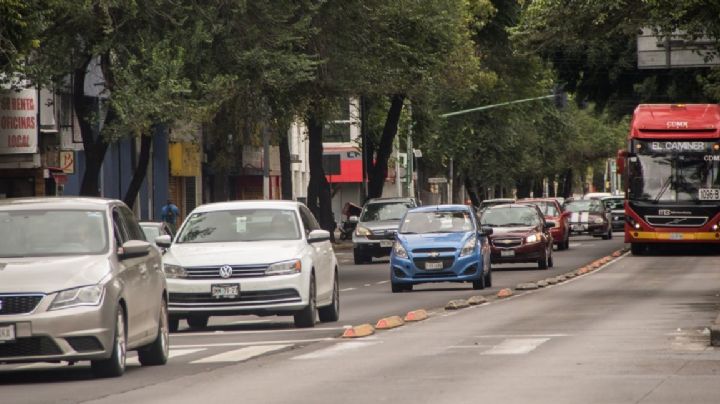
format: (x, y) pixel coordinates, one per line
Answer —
(317, 236)
(134, 248)
(353, 219)
(549, 225)
(163, 241)
(485, 231)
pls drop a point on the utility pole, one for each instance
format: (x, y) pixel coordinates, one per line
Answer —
(398, 182)
(266, 163)
(410, 172)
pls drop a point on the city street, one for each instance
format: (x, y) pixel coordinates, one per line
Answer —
(248, 341)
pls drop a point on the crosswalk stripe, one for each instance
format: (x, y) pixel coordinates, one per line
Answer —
(174, 353)
(241, 354)
(516, 346)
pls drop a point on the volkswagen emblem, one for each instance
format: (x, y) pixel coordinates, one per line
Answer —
(225, 271)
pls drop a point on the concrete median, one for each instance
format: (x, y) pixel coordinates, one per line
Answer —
(359, 331)
(389, 322)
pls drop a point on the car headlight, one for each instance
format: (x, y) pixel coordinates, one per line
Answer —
(533, 238)
(362, 231)
(598, 220)
(285, 268)
(174, 271)
(84, 296)
(469, 246)
(399, 250)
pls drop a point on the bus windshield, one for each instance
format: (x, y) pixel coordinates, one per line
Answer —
(674, 177)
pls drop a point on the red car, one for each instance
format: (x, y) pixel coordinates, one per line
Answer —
(554, 212)
(520, 234)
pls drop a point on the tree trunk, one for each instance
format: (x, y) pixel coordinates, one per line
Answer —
(567, 184)
(471, 187)
(319, 200)
(538, 191)
(524, 185)
(140, 171)
(286, 180)
(376, 179)
(93, 144)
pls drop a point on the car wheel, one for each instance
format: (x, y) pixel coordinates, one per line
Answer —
(331, 312)
(359, 257)
(305, 318)
(567, 242)
(197, 322)
(396, 287)
(551, 262)
(173, 324)
(114, 366)
(158, 351)
(488, 277)
(479, 284)
(408, 287)
(543, 262)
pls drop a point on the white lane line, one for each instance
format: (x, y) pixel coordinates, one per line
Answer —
(223, 333)
(230, 344)
(382, 282)
(367, 284)
(347, 289)
(335, 350)
(522, 335)
(242, 354)
(516, 346)
(174, 353)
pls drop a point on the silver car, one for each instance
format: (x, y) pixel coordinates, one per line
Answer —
(379, 220)
(78, 281)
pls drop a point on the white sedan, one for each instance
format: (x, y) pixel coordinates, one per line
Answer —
(251, 257)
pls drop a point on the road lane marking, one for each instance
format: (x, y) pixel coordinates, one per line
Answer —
(222, 333)
(347, 289)
(516, 346)
(241, 354)
(367, 284)
(335, 350)
(231, 344)
(174, 353)
(382, 282)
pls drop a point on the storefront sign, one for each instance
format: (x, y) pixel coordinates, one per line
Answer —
(18, 121)
(67, 161)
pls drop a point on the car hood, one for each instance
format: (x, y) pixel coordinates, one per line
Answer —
(381, 225)
(582, 217)
(233, 253)
(519, 231)
(51, 274)
(434, 240)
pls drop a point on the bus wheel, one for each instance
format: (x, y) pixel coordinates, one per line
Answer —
(637, 248)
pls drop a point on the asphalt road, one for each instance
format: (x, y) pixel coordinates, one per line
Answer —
(233, 343)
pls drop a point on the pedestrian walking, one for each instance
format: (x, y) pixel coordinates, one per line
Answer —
(169, 214)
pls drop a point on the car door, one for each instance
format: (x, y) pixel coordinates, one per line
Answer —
(142, 278)
(322, 257)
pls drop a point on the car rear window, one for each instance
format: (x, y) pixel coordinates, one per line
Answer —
(375, 212)
(240, 225)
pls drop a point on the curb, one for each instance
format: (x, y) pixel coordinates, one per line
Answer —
(503, 293)
(457, 304)
(476, 300)
(389, 322)
(359, 331)
(416, 315)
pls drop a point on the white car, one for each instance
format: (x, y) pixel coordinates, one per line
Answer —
(251, 257)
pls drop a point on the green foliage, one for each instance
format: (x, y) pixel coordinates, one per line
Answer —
(21, 22)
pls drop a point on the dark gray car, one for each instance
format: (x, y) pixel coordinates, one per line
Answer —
(376, 227)
(78, 281)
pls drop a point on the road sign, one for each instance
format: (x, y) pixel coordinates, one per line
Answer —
(676, 50)
(67, 161)
(437, 180)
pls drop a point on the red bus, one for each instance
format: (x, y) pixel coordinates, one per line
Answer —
(672, 175)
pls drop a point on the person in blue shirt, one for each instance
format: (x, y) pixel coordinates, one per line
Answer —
(169, 214)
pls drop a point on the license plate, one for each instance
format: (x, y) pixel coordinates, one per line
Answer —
(578, 227)
(676, 236)
(507, 253)
(7, 333)
(225, 291)
(386, 243)
(433, 265)
(709, 194)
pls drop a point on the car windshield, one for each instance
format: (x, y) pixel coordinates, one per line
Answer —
(547, 208)
(436, 222)
(151, 232)
(613, 203)
(592, 205)
(510, 217)
(375, 212)
(35, 233)
(674, 178)
(240, 225)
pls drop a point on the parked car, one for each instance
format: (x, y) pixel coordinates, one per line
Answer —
(78, 281)
(596, 195)
(154, 230)
(588, 216)
(615, 207)
(553, 212)
(376, 227)
(440, 244)
(520, 234)
(251, 257)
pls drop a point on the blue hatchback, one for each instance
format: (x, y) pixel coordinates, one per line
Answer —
(440, 244)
